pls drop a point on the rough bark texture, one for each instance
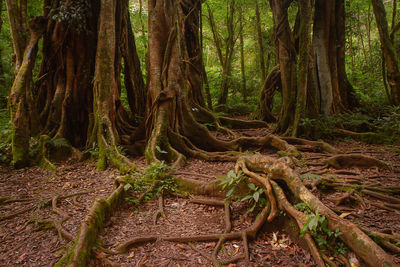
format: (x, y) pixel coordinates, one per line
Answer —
(260, 43)
(286, 54)
(389, 51)
(171, 128)
(17, 15)
(20, 94)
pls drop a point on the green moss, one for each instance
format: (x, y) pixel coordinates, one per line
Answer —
(20, 149)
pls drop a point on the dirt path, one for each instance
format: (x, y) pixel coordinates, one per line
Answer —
(29, 240)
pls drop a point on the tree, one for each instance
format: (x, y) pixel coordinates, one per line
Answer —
(17, 10)
(389, 51)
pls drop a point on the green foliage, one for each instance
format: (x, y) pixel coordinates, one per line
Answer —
(231, 182)
(156, 180)
(254, 196)
(317, 226)
(5, 137)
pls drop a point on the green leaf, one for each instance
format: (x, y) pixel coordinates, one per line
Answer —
(256, 196)
(159, 150)
(252, 208)
(127, 187)
(246, 198)
(252, 186)
(312, 225)
(230, 192)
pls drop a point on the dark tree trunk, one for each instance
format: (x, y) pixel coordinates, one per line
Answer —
(64, 90)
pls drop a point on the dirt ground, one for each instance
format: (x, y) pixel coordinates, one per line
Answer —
(28, 238)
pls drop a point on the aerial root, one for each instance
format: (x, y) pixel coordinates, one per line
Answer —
(160, 211)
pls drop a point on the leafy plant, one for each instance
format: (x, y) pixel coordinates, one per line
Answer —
(255, 197)
(232, 181)
(156, 180)
(317, 225)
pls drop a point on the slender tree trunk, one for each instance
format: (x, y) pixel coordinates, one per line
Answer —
(134, 82)
(205, 83)
(17, 17)
(242, 66)
(389, 51)
(305, 11)
(260, 43)
(20, 91)
(229, 49)
(286, 54)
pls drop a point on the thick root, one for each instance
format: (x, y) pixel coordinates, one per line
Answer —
(357, 240)
(355, 160)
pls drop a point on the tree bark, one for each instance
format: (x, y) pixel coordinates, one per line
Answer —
(389, 51)
(242, 65)
(260, 43)
(17, 17)
(20, 91)
(305, 11)
(286, 54)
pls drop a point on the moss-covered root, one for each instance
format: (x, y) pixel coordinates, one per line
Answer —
(91, 227)
(355, 160)
(356, 239)
(158, 147)
(304, 144)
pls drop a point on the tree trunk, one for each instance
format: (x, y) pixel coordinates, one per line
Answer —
(305, 11)
(286, 54)
(17, 17)
(229, 49)
(242, 66)
(260, 43)
(205, 83)
(389, 51)
(20, 91)
(64, 90)
(134, 83)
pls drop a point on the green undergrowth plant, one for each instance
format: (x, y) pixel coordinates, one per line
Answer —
(5, 137)
(254, 195)
(155, 180)
(317, 226)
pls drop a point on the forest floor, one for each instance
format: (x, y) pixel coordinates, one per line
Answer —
(28, 238)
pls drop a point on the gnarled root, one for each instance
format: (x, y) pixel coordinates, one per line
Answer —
(355, 160)
(356, 239)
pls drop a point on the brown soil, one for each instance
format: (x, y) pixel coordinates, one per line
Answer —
(27, 241)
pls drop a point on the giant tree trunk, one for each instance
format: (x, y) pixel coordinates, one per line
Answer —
(20, 92)
(389, 51)
(172, 131)
(65, 88)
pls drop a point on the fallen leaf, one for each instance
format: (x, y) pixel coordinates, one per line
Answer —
(344, 214)
(209, 245)
(131, 255)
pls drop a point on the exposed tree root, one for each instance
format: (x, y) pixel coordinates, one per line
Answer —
(307, 145)
(360, 243)
(211, 202)
(90, 228)
(14, 214)
(355, 160)
(160, 211)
